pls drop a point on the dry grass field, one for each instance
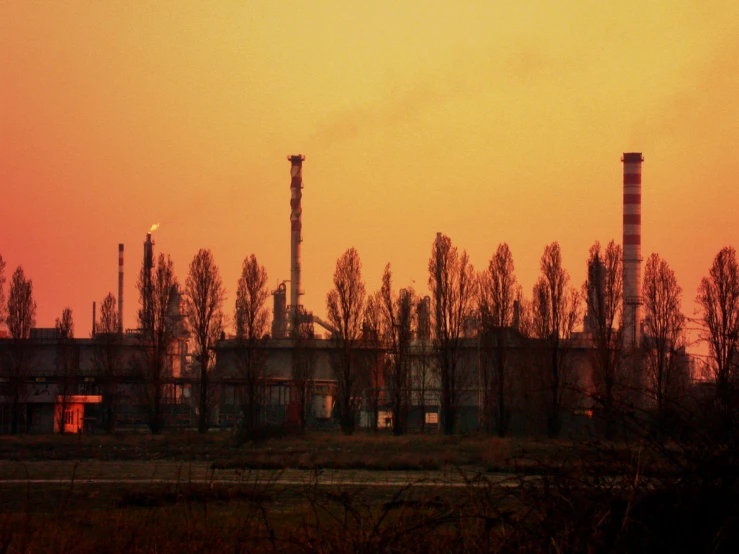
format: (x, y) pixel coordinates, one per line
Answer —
(325, 492)
(329, 450)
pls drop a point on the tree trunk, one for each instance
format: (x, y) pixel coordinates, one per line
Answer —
(502, 424)
(62, 411)
(303, 400)
(447, 410)
(554, 423)
(375, 410)
(109, 409)
(155, 420)
(397, 423)
(15, 418)
(204, 419)
(608, 414)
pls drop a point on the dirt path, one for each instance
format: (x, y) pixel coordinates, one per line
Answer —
(121, 472)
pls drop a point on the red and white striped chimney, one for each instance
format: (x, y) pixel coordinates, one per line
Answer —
(632, 249)
(120, 288)
(296, 237)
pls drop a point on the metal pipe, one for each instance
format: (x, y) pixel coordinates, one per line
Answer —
(120, 288)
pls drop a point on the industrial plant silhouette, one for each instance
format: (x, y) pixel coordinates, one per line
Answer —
(474, 353)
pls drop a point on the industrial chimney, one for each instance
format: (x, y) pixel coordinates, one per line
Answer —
(120, 288)
(296, 225)
(148, 292)
(632, 249)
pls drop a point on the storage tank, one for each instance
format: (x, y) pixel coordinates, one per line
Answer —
(279, 313)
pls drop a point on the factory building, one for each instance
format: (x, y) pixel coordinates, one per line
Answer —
(46, 397)
(50, 394)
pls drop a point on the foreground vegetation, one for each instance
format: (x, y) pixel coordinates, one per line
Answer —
(500, 495)
(47, 456)
(562, 514)
(313, 450)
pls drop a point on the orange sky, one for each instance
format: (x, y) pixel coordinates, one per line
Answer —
(489, 121)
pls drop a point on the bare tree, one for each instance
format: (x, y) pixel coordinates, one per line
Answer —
(452, 286)
(373, 360)
(65, 325)
(204, 296)
(3, 307)
(3, 316)
(303, 366)
(107, 359)
(345, 307)
(108, 320)
(497, 300)
(555, 314)
(21, 316)
(397, 313)
(523, 315)
(21, 319)
(423, 357)
(251, 318)
(603, 292)
(664, 335)
(718, 301)
(160, 331)
(67, 364)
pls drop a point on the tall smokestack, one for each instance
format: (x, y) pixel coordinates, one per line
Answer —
(148, 292)
(296, 226)
(120, 288)
(632, 249)
(94, 318)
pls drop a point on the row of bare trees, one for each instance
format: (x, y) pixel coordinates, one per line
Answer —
(372, 352)
(460, 303)
(492, 302)
(205, 322)
(161, 328)
(382, 341)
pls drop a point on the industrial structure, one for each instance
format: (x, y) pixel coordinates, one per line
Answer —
(120, 290)
(279, 312)
(44, 389)
(296, 236)
(285, 319)
(147, 309)
(632, 250)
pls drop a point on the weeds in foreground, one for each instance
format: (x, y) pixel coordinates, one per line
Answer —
(648, 495)
(575, 511)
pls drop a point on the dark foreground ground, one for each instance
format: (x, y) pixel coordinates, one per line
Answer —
(193, 493)
(379, 451)
(329, 493)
